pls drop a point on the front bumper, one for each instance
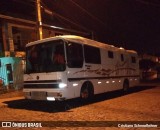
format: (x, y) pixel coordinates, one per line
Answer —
(42, 95)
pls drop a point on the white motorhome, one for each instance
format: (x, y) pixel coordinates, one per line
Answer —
(83, 68)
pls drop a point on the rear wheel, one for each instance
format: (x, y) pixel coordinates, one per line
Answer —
(125, 86)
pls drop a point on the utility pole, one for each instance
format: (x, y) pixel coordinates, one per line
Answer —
(39, 20)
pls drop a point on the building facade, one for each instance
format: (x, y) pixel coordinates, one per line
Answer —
(15, 33)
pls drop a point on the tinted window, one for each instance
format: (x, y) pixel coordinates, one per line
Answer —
(122, 57)
(133, 59)
(110, 54)
(74, 55)
(92, 55)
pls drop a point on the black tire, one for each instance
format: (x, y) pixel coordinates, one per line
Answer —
(125, 86)
(87, 92)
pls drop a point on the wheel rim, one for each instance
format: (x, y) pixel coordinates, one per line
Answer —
(85, 94)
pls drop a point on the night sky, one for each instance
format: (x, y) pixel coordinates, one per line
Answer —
(133, 24)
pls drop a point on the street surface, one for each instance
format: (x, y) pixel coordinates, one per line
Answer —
(141, 104)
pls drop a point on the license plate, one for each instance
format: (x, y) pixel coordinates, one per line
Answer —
(38, 95)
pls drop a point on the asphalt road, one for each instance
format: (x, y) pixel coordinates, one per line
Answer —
(141, 104)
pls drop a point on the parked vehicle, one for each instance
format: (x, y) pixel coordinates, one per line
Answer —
(85, 68)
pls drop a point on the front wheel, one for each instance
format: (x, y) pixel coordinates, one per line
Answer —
(86, 92)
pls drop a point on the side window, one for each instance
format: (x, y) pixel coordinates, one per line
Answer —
(122, 57)
(110, 54)
(74, 55)
(133, 59)
(92, 55)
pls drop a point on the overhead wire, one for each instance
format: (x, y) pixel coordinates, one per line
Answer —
(62, 17)
(88, 13)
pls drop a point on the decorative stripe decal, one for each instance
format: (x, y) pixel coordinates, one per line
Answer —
(110, 77)
(106, 72)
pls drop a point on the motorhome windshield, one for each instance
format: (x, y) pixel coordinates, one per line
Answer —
(45, 57)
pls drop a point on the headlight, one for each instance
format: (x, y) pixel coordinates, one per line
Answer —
(62, 85)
